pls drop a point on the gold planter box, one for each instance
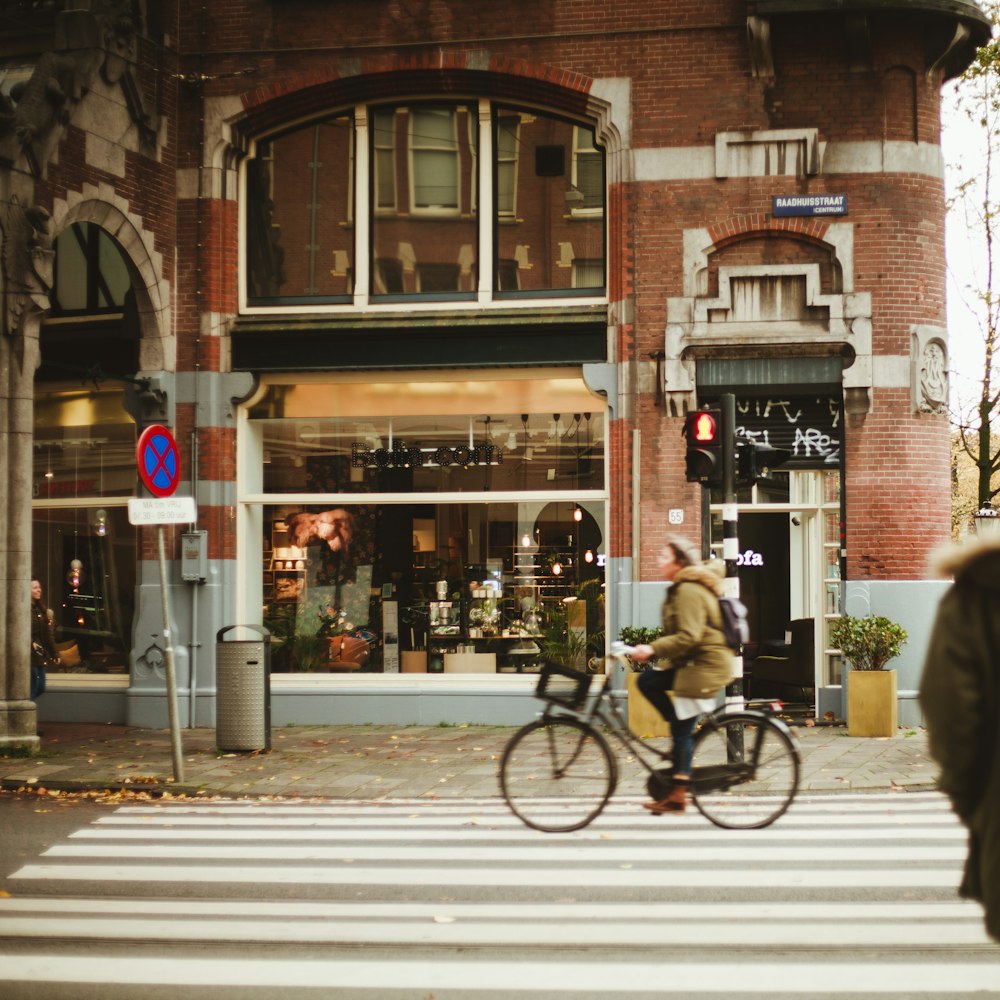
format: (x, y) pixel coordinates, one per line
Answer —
(872, 708)
(643, 719)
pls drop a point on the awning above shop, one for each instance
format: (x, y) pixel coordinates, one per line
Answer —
(502, 338)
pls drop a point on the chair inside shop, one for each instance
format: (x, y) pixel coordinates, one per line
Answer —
(785, 669)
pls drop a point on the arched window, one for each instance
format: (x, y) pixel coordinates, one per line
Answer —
(447, 208)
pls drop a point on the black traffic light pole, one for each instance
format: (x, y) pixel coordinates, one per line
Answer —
(730, 530)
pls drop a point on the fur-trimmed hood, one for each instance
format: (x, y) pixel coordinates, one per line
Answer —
(708, 574)
(978, 561)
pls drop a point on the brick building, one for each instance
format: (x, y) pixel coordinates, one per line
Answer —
(424, 293)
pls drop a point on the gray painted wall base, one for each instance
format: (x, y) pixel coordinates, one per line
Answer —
(80, 704)
(490, 700)
(913, 604)
(831, 699)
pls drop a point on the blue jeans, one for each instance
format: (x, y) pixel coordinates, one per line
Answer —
(37, 682)
(654, 685)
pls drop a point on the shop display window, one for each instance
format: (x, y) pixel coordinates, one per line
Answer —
(85, 558)
(414, 587)
(419, 437)
(83, 548)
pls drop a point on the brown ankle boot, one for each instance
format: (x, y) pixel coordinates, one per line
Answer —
(675, 802)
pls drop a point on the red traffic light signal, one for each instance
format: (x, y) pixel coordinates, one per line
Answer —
(703, 459)
(704, 429)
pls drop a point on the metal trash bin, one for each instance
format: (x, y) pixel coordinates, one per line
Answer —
(243, 691)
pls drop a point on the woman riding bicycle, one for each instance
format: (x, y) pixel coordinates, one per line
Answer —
(700, 661)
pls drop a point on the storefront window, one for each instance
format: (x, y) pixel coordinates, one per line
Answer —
(84, 558)
(83, 548)
(481, 587)
(399, 532)
(398, 449)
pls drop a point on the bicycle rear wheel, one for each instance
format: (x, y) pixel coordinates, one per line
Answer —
(745, 771)
(557, 774)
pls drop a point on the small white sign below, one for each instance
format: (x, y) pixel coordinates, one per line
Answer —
(675, 515)
(164, 510)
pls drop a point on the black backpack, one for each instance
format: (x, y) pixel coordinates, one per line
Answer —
(735, 627)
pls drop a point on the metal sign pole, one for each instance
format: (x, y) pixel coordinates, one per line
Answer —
(168, 652)
(159, 465)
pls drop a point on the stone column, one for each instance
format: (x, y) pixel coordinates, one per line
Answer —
(26, 253)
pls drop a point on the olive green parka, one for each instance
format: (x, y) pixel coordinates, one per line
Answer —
(960, 698)
(693, 640)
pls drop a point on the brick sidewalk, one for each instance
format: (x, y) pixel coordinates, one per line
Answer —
(375, 762)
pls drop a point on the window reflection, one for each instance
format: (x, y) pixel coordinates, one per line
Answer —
(424, 226)
(422, 190)
(300, 222)
(550, 204)
(84, 445)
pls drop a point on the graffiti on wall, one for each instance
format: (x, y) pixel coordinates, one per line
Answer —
(807, 426)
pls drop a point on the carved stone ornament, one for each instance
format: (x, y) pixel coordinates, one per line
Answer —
(931, 376)
(27, 257)
(85, 42)
(151, 663)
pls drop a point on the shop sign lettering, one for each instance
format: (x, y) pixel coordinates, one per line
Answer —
(404, 456)
(750, 558)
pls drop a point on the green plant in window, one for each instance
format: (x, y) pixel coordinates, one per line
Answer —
(310, 653)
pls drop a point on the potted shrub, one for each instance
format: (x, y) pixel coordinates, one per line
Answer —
(868, 644)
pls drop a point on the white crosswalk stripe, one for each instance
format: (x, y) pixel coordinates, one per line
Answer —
(847, 894)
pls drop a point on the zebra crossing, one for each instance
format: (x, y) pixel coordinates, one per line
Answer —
(847, 894)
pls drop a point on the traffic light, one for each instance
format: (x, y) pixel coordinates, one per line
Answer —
(703, 459)
(755, 460)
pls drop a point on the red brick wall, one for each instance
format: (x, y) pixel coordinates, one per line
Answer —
(688, 66)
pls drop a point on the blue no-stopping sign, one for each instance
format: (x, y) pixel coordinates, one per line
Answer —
(158, 461)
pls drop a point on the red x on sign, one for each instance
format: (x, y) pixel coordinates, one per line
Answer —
(158, 461)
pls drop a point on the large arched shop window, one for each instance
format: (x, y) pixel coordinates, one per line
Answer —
(422, 197)
(83, 548)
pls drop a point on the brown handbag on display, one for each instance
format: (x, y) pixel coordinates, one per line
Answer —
(348, 652)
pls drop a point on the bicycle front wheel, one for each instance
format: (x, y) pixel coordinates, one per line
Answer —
(745, 771)
(557, 774)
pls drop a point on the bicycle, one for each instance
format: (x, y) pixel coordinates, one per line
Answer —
(559, 772)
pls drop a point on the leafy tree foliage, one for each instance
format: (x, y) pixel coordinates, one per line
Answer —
(977, 195)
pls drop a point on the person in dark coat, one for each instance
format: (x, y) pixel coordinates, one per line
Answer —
(960, 698)
(43, 649)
